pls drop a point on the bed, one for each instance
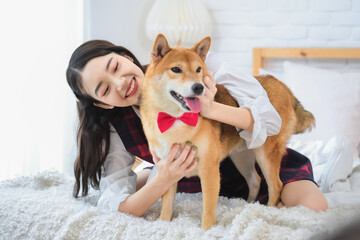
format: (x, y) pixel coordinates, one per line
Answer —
(333, 96)
(41, 206)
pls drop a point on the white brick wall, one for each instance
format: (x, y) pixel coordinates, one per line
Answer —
(330, 5)
(240, 25)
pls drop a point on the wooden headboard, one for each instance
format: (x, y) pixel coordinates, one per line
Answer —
(259, 54)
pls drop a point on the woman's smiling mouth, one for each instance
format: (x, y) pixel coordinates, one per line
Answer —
(131, 90)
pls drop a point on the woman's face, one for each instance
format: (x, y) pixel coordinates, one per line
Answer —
(113, 80)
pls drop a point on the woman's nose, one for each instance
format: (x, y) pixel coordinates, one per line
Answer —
(118, 82)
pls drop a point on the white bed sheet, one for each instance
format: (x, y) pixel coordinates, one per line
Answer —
(41, 207)
(336, 169)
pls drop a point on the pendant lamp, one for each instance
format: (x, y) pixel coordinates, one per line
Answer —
(183, 22)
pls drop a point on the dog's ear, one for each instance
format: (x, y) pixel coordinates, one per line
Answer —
(203, 47)
(160, 48)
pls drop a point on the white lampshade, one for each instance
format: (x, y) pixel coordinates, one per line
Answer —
(183, 22)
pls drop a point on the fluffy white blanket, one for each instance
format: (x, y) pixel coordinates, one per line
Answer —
(41, 207)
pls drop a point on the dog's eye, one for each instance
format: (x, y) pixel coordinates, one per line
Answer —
(176, 70)
(198, 69)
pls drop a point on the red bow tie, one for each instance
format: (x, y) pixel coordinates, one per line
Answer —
(165, 121)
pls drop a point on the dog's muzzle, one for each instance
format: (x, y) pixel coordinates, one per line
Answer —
(197, 88)
(190, 103)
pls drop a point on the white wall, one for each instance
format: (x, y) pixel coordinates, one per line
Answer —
(37, 129)
(239, 25)
(120, 22)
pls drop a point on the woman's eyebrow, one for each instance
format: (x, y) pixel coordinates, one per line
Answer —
(97, 87)
(107, 68)
(101, 82)
(108, 64)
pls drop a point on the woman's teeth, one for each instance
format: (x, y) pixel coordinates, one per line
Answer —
(131, 88)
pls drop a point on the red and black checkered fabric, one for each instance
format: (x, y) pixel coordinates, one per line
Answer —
(294, 166)
(128, 126)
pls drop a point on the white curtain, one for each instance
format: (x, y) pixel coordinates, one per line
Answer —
(38, 113)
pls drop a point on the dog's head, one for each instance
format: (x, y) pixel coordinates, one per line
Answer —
(175, 75)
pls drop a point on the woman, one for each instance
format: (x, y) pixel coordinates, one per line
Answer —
(107, 80)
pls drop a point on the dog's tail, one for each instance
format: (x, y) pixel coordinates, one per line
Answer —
(305, 119)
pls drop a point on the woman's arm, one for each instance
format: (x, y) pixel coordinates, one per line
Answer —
(249, 94)
(118, 184)
(139, 202)
(169, 171)
(238, 117)
(142, 177)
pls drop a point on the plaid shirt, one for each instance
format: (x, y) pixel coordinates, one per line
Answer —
(294, 166)
(128, 126)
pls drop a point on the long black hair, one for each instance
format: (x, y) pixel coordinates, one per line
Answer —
(93, 135)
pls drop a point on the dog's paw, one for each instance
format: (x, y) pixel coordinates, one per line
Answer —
(165, 216)
(208, 222)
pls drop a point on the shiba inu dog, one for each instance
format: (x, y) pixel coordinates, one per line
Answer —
(173, 81)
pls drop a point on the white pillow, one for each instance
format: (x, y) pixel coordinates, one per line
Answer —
(333, 97)
(276, 74)
(331, 161)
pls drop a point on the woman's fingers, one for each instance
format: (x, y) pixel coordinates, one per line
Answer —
(210, 85)
(190, 158)
(210, 74)
(209, 79)
(208, 82)
(172, 168)
(156, 159)
(174, 150)
(192, 166)
(170, 157)
(207, 99)
(184, 153)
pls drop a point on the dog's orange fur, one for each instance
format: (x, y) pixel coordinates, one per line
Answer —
(214, 140)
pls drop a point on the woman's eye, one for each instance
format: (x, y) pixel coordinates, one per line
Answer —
(116, 67)
(176, 70)
(198, 69)
(106, 91)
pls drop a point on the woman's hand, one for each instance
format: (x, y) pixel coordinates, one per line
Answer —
(208, 98)
(171, 169)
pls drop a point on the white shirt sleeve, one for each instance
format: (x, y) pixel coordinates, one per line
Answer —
(118, 181)
(249, 93)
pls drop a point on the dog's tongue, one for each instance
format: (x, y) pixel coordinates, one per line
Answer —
(194, 104)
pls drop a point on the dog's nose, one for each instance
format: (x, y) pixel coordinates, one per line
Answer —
(197, 88)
